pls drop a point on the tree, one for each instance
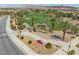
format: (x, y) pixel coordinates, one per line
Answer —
(59, 15)
(74, 29)
(20, 21)
(46, 20)
(21, 27)
(52, 24)
(33, 24)
(65, 27)
(75, 16)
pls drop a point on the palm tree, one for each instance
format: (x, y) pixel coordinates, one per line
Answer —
(75, 16)
(46, 20)
(33, 24)
(60, 15)
(52, 14)
(52, 24)
(65, 27)
(74, 29)
(20, 21)
(21, 27)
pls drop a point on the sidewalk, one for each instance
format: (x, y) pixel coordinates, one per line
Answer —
(73, 43)
(36, 37)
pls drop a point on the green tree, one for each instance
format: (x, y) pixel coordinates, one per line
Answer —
(33, 24)
(20, 21)
(65, 27)
(52, 24)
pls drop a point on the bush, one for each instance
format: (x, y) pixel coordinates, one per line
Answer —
(21, 27)
(29, 42)
(73, 37)
(77, 35)
(13, 27)
(11, 21)
(16, 23)
(22, 37)
(77, 45)
(48, 45)
(72, 52)
(17, 35)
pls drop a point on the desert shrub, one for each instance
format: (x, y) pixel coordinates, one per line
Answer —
(22, 37)
(13, 27)
(48, 45)
(11, 21)
(77, 35)
(71, 52)
(16, 23)
(77, 45)
(21, 27)
(73, 37)
(29, 42)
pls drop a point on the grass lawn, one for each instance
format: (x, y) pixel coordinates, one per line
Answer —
(40, 18)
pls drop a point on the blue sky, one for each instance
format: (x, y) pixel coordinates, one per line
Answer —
(74, 5)
(22, 5)
(11, 5)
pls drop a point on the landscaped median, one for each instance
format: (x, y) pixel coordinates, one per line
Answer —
(34, 45)
(39, 46)
(18, 43)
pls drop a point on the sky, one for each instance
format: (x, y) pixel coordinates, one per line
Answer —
(73, 5)
(23, 5)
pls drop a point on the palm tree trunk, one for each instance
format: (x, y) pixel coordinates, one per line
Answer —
(20, 34)
(50, 30)
(64, 33)
(52, 26)
(34, 29)
(33, 25)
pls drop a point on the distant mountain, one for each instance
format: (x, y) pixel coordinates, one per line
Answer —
(30, 6)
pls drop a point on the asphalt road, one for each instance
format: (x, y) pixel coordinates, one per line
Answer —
(7, 47)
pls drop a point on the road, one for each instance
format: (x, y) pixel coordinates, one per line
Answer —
(7, 47)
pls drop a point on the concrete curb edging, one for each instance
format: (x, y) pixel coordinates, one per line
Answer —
(17, 42)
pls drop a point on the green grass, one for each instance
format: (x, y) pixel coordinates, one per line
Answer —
(40, 18)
